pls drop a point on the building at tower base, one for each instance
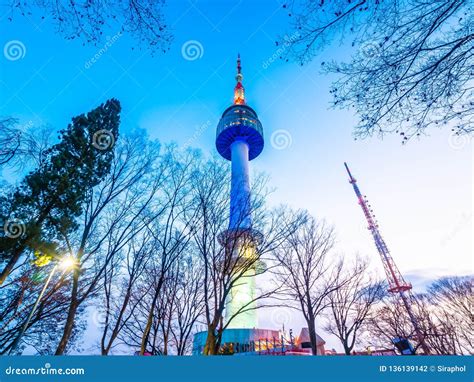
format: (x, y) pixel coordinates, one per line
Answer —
(260, 342)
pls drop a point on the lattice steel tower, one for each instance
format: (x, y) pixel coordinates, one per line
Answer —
(396, 282)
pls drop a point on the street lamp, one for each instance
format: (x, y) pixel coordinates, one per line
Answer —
(66, 263)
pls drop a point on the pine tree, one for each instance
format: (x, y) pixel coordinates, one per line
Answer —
(49, 199)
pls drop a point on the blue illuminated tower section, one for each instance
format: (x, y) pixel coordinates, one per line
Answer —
(239, 139)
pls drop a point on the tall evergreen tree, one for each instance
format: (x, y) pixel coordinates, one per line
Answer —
(49, 199)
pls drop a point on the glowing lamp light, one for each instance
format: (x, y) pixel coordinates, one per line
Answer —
(67, 263)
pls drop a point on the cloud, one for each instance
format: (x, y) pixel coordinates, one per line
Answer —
(422, 278)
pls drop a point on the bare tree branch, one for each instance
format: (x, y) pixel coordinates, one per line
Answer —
(412, 67)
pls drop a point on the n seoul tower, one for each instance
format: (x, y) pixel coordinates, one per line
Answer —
(239, 139)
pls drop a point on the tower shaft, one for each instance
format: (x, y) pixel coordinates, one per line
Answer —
(242, 294)
(240, 186)
(396, 282)
(240, 303)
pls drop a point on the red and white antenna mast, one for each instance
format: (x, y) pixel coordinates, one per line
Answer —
(396, 282)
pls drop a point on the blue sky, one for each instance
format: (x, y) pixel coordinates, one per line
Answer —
(421, 192)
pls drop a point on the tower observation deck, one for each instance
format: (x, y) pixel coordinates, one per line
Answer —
(239, 139)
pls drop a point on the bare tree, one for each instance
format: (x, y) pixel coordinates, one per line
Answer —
(132, 330)
(450, 303)
(171, 234)
(120, 284)
(17, 298)
(187, 293)
(306, 273)
(231, 256)
(352, 303)
(90, 20)
(169, 297)
(21, 145)
(412, 69)
(180, 305)
(443, 313)
(116, 211)
(442, 335)
(454, 294)
(388, 322)
(10, 140)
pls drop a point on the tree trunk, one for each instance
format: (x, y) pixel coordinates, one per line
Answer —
(210, 347)
(347, 350)
(312, 336)
(146, 332)
(71, 315)
(67, 328)
(165, 344)
(115, 331)
(11, 263)
(149, 322)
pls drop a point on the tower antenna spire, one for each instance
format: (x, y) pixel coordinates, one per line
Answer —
(239, 91)
(396, 282)
(351, 178)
